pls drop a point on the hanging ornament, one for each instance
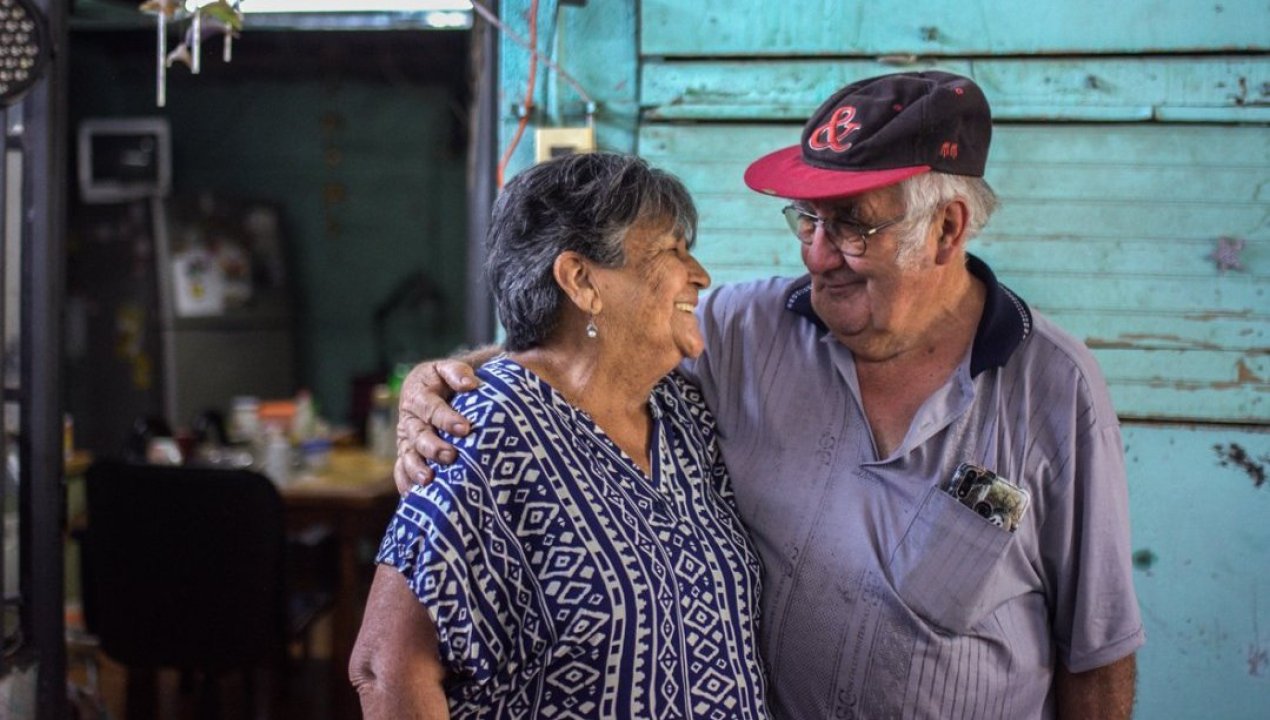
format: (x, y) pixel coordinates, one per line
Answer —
(196, 42)
(220, 17)
(181, 54)
(226, 18)
(163, 10)
(227, 50)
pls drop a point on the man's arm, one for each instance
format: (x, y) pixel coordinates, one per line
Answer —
(424, 407)
(1104, 693)
(395, 665)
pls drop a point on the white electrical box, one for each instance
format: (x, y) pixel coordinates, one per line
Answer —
(557, 141)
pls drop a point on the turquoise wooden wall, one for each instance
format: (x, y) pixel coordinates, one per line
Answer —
(1129, 138)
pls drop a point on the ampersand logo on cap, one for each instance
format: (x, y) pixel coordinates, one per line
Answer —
(833, 134)
(880, 131)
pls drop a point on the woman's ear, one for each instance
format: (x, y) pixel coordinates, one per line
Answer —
(573, 274)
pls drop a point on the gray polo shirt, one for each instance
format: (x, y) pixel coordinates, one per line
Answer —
(883, 597)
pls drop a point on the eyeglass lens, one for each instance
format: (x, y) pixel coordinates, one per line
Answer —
(844, 236)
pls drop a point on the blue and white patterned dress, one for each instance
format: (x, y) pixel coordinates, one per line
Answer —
(565, 583)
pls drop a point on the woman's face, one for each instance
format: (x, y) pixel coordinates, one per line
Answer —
(648, 305)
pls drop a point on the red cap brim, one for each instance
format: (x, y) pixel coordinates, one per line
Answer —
(784, 174)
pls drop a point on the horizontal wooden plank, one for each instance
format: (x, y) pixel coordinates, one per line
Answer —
(1190, 403)
(1113, 293)
(1002, 112)
(1130, 89)
(1138, 259)
(1244, 331)
(1164, 404)
(1147, 146)
(1052, 180)
(1112, 219)
(1186, 369)
(1244, 114)
(714, 28)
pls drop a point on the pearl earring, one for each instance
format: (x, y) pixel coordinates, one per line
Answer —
(592, 331)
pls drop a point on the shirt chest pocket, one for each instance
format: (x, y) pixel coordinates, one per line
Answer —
(944, 567)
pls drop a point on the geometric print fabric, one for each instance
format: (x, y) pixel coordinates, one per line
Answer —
(566, 583)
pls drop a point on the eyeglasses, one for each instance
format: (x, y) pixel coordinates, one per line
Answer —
(849, 237)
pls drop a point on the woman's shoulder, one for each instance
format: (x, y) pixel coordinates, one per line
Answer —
(500, 381)
(502, 403)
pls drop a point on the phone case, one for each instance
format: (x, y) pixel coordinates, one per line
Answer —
(994, 498)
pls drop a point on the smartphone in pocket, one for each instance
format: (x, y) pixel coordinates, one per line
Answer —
(994, 498)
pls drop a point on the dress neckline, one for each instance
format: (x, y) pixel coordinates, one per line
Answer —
(589, 428)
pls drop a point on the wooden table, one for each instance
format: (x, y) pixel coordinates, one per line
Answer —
(354, 496)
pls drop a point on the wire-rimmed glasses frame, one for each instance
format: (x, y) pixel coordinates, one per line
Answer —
(848, 237)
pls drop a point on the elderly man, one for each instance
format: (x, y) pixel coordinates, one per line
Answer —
(931, 470)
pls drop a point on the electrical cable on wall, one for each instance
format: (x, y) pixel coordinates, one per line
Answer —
(534, 57)
(529, 92)
(573, 83)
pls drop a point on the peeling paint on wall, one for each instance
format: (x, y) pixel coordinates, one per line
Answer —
(1258, 660)
(1143, 560)
(1258, 654)
(1234, 454)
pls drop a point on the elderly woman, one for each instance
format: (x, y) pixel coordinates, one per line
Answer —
(582, 557)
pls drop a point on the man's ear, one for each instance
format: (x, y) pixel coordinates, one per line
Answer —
(953, 223)
(573, 274)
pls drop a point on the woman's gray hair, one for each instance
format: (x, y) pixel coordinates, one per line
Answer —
(926, 192)
(585, 203)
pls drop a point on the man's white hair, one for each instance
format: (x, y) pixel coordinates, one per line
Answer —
(926, 192)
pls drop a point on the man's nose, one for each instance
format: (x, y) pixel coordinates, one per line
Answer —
(822, 255)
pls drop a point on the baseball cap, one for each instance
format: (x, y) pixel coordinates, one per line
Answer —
(879, 131)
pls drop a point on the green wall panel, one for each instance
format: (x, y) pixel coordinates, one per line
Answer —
(370, 183)
(399, 208)
(936, 27)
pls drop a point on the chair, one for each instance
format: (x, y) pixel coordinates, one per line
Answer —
(185, 568)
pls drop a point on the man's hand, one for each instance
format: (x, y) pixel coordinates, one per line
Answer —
(424, 409)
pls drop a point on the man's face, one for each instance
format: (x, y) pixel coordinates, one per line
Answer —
(873, 304)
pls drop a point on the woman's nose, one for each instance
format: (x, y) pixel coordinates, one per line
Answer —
(697, 274)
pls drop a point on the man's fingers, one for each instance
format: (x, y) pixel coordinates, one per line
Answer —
(427, 445)
(425, 393)
(417, 437)
(410, 471)
(422, 382)
(443, 417)
(459, 376)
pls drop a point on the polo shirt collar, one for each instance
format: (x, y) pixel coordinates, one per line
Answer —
(1005, 323)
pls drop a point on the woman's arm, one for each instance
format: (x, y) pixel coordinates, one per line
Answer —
(395, 665)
